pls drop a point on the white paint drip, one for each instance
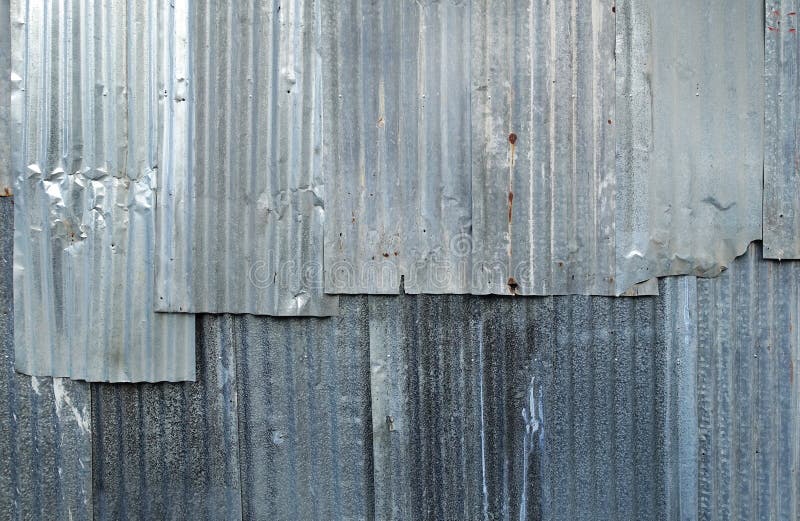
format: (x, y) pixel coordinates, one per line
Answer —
(483, 424)
(63, 399)
(35, 385)
(533, 422)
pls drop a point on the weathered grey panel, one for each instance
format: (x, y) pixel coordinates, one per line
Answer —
(6, 177)
(304, 416)
(689, 81)
(45, 438)
(747, 391)
(782, 130)
(85, 197)
(241, 213)
(171, 451)
(471, 148)
(546, 408)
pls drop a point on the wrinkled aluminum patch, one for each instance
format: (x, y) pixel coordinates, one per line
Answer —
(782, 130)
(690, 148)
(242, 202)
(87, 106)
(469, 148)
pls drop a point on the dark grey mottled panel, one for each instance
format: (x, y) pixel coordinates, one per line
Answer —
(45, 441)
(490, 408)
(171, 451)
(304, 416)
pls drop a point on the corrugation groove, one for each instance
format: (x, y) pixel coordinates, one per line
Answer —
(45, 437)
(782, 130)
(243, 228)
(86, 149)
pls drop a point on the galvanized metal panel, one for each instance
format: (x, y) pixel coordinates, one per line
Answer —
(304, 416)
(747, 391)
(6, 178)
(242, 210)
(690, 150)
(540, 408)
(171, 451)
(45, 439)
(86, 112)
(782, 130)
(469, 145)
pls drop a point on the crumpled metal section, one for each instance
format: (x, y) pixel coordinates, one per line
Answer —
(782, 130)
(690, 164)
(242, 204)
(86, 107)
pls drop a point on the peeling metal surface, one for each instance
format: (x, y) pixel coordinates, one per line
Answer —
(171, 451)
(690, 144)
(86, 108)
(6, 177)
(45, 436)
(242, 208)
(304, 416)
(471, 145)
(782, 130)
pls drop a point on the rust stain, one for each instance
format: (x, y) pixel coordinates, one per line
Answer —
(510, 204)
(7, 192)
(512, 285)
(792, 30)
(386, 255)
(613, 9)
(396, 253)
(512, 138)
(609, 121)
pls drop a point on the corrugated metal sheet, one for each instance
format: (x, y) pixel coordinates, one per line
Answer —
(171, 451)
(747, 391)
(85, 154)
(304, 416)
(689, 85)
(45, 438)
(541, 408)
(243, 221)
(782, 130)
(5, 90)
(470, 147)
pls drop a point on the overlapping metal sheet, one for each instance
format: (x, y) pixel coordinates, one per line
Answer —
(690, 148)
(171, 451)
(45, 435)
(242, 210)
(782, 130)
(87, 102)
(6, 177)
(471, 148)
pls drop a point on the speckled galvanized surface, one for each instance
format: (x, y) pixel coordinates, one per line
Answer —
(689, 142)
(45, 425)
(470, 146)
(782, 130)
(241, 210)
(86, 105)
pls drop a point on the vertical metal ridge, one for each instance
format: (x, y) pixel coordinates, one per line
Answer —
(86, 152)
(6, 177)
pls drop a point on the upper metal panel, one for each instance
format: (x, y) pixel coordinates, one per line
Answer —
(782, 130)
(6, 177)
(242, 202)
(689, 85)
(86, 102)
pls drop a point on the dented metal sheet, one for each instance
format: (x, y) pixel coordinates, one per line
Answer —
(782, 130)
(45, 436)
(689, 142)
(472, 148)
(6, 177)
(242, 204)
(87, 105)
